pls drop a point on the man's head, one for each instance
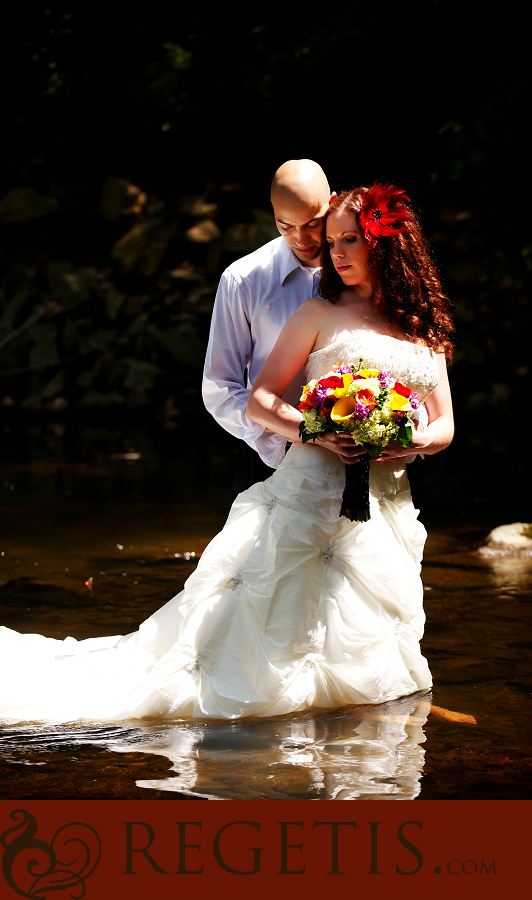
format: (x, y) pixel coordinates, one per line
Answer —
(300, 198)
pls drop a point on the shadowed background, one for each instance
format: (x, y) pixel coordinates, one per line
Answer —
(138, 156)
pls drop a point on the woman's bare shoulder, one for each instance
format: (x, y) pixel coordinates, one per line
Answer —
(315, 308)
(311, 311)
(318, 303)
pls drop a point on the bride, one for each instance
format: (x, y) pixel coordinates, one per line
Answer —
(291, 606)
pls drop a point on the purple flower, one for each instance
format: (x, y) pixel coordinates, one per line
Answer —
(362, 412)
(386, 381)
(343, 370)
(414, 399)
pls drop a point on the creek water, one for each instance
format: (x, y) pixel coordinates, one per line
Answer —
(102, 525)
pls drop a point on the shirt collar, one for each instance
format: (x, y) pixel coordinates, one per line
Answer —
(288, 262)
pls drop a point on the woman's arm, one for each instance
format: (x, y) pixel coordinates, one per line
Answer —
(265, 404)
(439, 432)
(291, 351)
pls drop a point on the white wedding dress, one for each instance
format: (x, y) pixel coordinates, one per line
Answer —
(290, 606)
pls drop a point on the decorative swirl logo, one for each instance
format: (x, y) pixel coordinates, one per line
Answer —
(34, 868)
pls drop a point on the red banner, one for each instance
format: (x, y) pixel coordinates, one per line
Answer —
(155, 848)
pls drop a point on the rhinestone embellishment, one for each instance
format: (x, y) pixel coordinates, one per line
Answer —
(193, 666)
(327, 554)
(271, 504)
(236, 580)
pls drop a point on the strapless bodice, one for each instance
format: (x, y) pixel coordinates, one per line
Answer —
(413, 364)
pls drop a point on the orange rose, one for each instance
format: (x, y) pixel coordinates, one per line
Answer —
(367, 397)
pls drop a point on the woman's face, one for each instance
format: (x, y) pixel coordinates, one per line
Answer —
(348, 247)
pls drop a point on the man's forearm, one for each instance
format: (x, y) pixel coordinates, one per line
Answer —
(226, 402)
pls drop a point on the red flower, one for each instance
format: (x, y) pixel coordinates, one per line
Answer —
(383, 211)
(334, 381)
(307, 401)
(401, 389)
(328, 404)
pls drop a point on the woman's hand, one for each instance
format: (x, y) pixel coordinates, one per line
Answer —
(393, 450)
(343, 445)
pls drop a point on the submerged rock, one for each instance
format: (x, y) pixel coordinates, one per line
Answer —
(509, 540)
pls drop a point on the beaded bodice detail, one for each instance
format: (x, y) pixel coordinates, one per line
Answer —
(412, 364)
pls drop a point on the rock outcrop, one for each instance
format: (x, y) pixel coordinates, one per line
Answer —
(509, 540)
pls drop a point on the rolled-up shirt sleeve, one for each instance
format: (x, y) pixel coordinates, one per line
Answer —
(228, 353)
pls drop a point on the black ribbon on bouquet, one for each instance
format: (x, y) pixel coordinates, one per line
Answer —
(355, 499)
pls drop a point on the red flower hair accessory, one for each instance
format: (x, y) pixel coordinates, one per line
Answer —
(383, 212)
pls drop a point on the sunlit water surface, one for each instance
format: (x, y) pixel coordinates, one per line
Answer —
(135, 522)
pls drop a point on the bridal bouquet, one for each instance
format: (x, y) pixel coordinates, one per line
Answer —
(369, 405)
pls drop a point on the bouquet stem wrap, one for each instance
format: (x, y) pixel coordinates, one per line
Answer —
(355, 499)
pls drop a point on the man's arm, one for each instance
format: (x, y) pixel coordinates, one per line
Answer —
(228, 353)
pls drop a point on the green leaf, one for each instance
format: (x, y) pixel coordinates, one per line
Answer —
(372, 449)
(404, 435)
(179, 57)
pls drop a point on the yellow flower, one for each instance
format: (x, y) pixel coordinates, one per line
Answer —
(341, 392)
(368, 373)
(399, 403)
(343, 409)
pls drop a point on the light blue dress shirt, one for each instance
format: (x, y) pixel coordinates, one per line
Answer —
(255, 297)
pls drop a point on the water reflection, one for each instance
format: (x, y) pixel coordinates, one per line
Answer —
(509, 573)
(364, 752)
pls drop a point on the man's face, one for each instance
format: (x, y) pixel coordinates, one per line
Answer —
(302, 228)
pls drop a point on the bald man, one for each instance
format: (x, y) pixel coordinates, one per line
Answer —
(255, 297)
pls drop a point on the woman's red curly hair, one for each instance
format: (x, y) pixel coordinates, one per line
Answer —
(405, 282)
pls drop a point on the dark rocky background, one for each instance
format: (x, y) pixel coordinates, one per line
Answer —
(138, 151)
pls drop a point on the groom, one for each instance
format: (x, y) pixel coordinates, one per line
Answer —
(255, 297)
